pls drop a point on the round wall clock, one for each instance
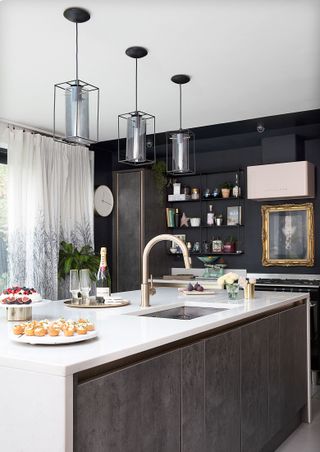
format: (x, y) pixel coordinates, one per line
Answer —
(103, 201)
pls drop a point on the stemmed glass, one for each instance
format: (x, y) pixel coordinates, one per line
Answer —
(74, 283)
(85, 283)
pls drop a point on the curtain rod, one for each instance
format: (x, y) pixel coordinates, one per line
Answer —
(28, 128)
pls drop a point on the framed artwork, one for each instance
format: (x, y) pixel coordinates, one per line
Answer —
(288, 235)
(233, 215)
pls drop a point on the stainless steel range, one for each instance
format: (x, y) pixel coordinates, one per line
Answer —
(298, 283)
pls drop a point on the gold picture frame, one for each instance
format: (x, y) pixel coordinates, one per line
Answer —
(288, 235)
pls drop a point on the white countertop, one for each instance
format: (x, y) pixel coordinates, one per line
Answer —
(121, 335)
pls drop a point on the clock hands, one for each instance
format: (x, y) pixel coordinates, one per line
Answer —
(106, 202)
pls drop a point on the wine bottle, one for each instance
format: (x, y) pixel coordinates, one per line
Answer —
(103, 283)
(210, 216)
(236, 191)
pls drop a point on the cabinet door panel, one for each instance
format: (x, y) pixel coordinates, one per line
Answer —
(274, 411)
(192, 402)
(254, 386)
(222, 392)
(133, 409)
(293, 361)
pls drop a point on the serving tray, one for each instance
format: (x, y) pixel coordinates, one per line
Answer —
(94, 304)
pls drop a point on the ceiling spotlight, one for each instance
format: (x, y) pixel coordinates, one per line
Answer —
(260, 127)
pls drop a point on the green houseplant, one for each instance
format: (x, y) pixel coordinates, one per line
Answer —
(72, 258)
(160, 176)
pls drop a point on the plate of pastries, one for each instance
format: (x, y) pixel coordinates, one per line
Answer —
(53, 332)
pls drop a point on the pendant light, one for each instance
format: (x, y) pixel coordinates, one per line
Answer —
(137, 126)
(76, 111)
(180, 154)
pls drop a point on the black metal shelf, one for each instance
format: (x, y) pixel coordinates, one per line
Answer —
(183, 228)
(237, 253)
(230, 198)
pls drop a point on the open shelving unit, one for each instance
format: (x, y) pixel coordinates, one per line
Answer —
(199, 208)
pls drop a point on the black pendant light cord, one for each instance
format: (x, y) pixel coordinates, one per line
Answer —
(77, 71)
(180, 87)
(136, 84)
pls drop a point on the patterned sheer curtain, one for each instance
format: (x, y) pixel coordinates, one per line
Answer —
(50, 199)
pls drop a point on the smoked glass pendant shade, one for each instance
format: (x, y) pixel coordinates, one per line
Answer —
(180, 149)
(136, 130)
(76, 103)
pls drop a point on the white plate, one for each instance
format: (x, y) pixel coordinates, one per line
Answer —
(195, 292)
(36, 304)
(52, 340)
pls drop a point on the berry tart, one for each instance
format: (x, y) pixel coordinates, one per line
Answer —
(19, 296)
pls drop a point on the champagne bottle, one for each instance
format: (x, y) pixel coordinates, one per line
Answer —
(103, 283)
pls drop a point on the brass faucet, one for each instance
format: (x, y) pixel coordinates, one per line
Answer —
(146, 289)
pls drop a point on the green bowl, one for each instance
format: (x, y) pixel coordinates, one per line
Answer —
(209, 260)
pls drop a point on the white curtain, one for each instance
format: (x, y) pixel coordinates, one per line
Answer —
(50, 199)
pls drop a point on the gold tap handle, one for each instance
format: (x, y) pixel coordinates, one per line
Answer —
(152, 290)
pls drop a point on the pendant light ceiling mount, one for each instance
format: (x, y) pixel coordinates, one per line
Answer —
(78, 114)
(180, 152)
(140, 141)
(181, 79)
(77, 15)
(136, 52)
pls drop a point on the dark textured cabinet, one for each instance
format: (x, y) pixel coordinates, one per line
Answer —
(293, 361)
(222, 392)
(134, 409)
(138, 216)
(234, 391)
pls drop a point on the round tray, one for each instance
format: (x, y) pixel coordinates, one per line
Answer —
(93, 304)
(52, 340)
(36, 304)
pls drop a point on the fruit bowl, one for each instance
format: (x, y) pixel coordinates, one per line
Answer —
(208, 260)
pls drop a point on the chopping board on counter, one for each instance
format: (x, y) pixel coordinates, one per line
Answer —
(182, 277)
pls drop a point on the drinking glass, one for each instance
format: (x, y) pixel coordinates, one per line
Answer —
(74, 283)
(85, 282)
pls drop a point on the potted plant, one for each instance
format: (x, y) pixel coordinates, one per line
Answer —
(229, 245)
(72, 258)
(160, 175)
(225, 189)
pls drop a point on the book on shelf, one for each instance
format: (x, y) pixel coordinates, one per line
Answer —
(170, 217)
(234, 215)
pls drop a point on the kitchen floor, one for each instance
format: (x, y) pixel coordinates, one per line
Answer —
(307, 437)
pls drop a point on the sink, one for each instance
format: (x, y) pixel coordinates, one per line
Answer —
(184, 312)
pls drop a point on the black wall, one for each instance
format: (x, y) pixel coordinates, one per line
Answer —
(228, 147)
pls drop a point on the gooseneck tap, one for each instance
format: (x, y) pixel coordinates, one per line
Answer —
(145, 287)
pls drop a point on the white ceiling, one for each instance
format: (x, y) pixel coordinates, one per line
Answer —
(247, 58)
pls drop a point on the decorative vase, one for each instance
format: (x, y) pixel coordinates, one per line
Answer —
(225, 192)
(232, 291)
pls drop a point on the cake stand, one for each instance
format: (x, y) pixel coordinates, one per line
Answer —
(18, 312)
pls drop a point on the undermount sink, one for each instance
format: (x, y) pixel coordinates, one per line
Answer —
(184, 312)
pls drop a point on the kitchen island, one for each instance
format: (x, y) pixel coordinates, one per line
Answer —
(234, 380)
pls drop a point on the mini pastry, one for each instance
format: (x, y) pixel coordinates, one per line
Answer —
(82, 329)
(53, 330)
(29, 330)
(68, 332)
(39, 331)
(90, 326)
(18, 329)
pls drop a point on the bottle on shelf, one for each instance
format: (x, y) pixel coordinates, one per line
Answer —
(103, 283)
(210, 216)
(236, 190)
(177, 217)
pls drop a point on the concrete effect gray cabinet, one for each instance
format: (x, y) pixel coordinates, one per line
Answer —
(134, 409)
(222, 392)
(138, 217)
(235, 391)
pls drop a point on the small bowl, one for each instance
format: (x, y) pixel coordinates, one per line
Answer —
(195, 222)
(209, 260)
(173, 250)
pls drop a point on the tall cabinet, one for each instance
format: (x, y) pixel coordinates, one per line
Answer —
(138, 216)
